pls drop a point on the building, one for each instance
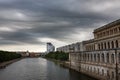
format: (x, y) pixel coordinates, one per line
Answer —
(98, 57)
(50, 47)
(23, 53)
(34, 54)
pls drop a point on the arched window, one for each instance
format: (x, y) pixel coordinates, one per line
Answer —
(102, 72)
(98, 70)
(108, 75)
(85, 57)
(119, 29)
(88, 68)
(112, 44)
(107, 57)
(94, 47)
(119, 57)
(116, 43)
(98, 57)
(103, 59)
(107, 32)
(105, 45)
(110, 31)
(101, 45)
(94, 70)
(108, 45)
(95, 57)
(88, 58)
(112, 58)
(91, 57)
(91, 69)
(103, 33)
(79, 56)
(113, 75)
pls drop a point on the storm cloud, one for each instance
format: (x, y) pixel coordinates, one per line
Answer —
(32, 23)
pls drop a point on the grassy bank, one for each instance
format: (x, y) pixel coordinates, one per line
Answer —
(62, 56)
(7, 56)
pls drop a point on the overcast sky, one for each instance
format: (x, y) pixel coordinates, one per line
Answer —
(29, 24)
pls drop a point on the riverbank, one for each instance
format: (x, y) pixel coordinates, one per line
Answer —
(6, 63)
(66, 64)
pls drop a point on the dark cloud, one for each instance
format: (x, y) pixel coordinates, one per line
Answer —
(30, 20)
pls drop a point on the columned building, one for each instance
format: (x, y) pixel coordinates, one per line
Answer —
(98, 57)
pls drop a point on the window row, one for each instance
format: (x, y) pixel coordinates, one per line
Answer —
(108, 32)
(101, 72)
(108, 45)
(99, 58)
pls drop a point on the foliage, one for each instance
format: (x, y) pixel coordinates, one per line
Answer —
(58, 56)
(6, 56)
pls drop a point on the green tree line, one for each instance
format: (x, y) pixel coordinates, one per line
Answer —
(6, 56)
(58, 56)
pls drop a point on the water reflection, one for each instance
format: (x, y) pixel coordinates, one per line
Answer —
(39, 69)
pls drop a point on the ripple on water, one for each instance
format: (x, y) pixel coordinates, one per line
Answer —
(39, 69)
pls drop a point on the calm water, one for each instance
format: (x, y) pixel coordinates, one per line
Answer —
(39, 69)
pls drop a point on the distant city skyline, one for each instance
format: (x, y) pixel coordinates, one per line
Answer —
(30, 24)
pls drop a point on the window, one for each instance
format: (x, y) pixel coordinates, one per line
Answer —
(112, 44)
(111, 31)
(99, 46)
(107, 57)
(98, 57)
(102, 45)
(103, 59)
(112, 75)
(88, 58)
(95, 57)
(119, 29)
(108, 45)
(108, 74)
(85, 56)
(105, 45)
(91, 57)
(116, 42)
(107, 32)
(102, 72)
(112, 58)
(98, 70)
(94, 70)
(103, 33)
(115, 30)
(119, 57)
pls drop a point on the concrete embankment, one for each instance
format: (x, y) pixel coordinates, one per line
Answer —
(68, 65)
(4, 64)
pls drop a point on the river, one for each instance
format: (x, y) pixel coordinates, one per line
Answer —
(39, 69)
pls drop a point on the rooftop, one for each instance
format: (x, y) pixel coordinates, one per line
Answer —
(114, 23)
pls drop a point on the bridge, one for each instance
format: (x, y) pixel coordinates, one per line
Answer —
(31, 54)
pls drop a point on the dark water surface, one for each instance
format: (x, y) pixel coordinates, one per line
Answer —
(39, 69)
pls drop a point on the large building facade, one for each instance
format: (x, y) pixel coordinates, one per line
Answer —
(50, 47)
(98, 57)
